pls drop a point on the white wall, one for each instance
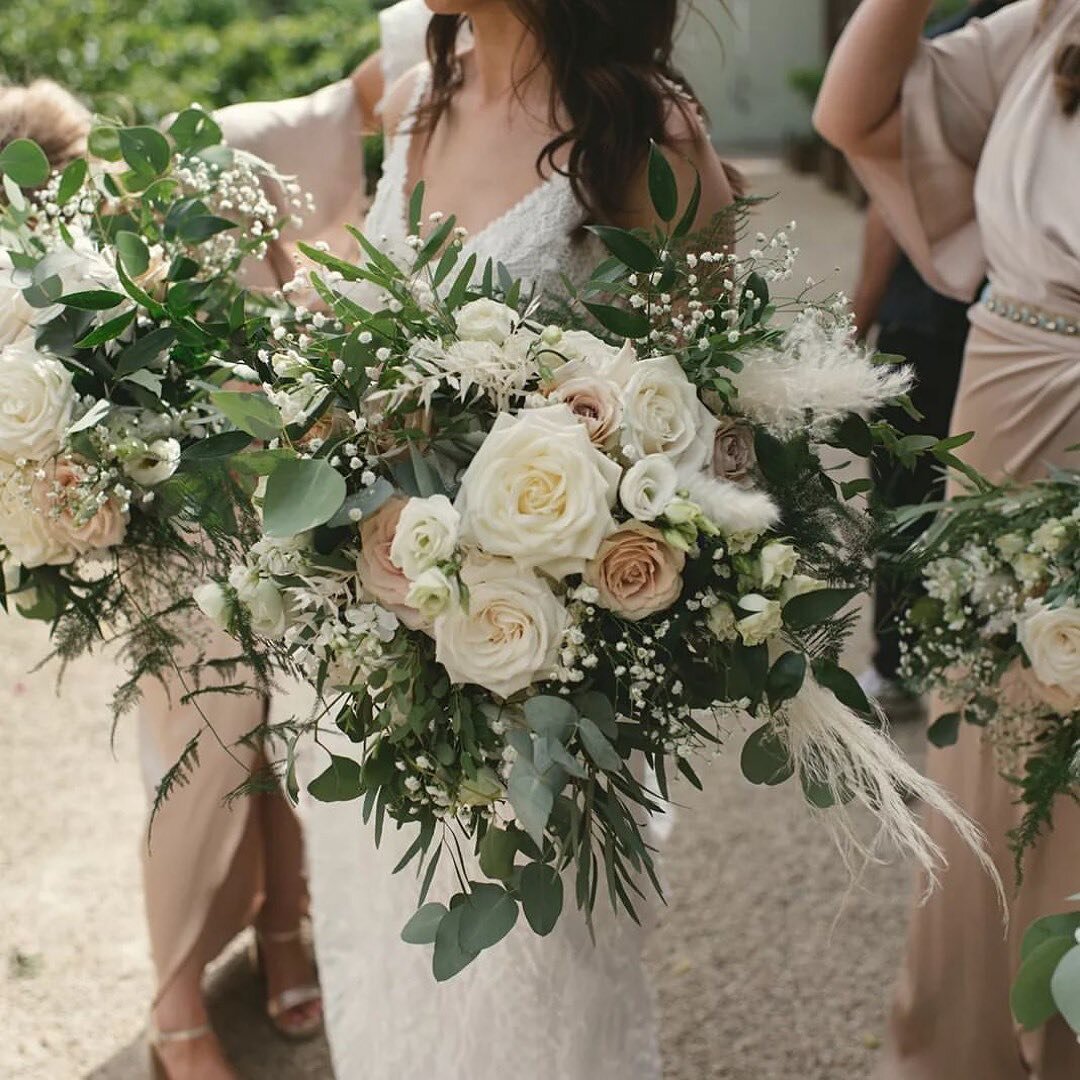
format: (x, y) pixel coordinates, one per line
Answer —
(737, 54)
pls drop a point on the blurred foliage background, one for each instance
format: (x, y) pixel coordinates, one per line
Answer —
(140, 59)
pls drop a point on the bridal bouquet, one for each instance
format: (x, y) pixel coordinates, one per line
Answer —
(537, 557)
(119, 311)
(996, 632)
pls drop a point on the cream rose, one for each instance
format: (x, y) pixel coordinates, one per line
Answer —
(510, 635)
(266, 606)
(661, 411)
(636, 572)
(16, 315)
(29, 535)
(36, 402)
(156, 464)
(213, 602)
(765, 620)
(432, 593)
(582, 349)
(776, 563)
(381, 579)
(426, 535)
(1051, 638)
(648, 487)
(486, 320)
(539, 492)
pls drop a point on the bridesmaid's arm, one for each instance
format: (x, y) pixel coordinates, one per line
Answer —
(369, 87)
(858, 109)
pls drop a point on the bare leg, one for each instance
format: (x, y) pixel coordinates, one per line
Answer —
(287, 963)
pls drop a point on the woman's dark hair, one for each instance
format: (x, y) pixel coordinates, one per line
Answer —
(614, 86)
(1066, 68)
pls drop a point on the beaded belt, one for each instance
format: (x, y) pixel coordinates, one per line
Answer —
(1030, 316)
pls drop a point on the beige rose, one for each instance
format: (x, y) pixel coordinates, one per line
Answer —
(733, 457)
(381, 579)
(57, 498)
(636, 572)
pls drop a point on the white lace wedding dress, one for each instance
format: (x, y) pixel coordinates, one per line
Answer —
(555, 1008)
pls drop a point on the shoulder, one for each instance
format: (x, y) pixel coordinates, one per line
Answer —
(403, 98)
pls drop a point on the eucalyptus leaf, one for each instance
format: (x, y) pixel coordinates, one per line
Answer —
(551, 716)
(844, 686)
(597, 746)
(423, 927)
(449, 957)
(765, 759)
(945, 730)
(541, 890)
(786, 678)
(253, 413)
(301, 494)
(1051, 926)
(812, 608)
(339, 783)
(1065, 987)
(531, 798)
(488, 915)
(25, 162)
(366, 502)
(497, 851)
(1032, 999)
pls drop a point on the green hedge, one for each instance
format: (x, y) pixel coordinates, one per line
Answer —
(143, 58)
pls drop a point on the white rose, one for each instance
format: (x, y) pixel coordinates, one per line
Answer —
(777, 562)
(16, 315)
(160, 460)
(648, 487)
(539, 492)
(213, 602)
(29, 536)
(661, 411)
(80, 268)
(486, 320)
(426, 535)
(800, 585)
(584, 350)
(509, 637)
(36, 402)
(266, 606)
(432, 593)
(1051, 638)
(766, 619)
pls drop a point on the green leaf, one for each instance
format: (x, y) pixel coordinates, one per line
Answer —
(945, 730)
(107, 331)
(216, 447)
(1031, 998)
(810, 609)
(1065, 987)
(844, 686)
(854, 434)
(339, 783)
(252, 413)
(367, 502)
(531, 798)
(134, 253)
(624, 245)
(689, 218)
(663, 189)
(785, 678)
(818, 794)
(193, 130)
(416, 208)
(449, 957)
(145, 150)
(497, 851)
(628, 324)
(300, 495)
(93, 300)
(146, 351)
(597, 746)
(599, 709)
(765, 759)
(201, 227)
(1051, 926)
(488, 915)
(25, 162)
(71, 181)
(550, 716)
(423, 927)
(541, 890)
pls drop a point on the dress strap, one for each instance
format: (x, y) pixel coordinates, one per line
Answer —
(396, 164)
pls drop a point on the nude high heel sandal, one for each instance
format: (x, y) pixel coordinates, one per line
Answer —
(155, 1040)
(279, 1006)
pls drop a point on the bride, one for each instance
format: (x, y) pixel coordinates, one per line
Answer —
(537, 125)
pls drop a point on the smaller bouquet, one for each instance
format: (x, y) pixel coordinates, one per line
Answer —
(121, 318)
(993, 626)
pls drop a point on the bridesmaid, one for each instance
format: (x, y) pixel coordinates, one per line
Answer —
(970, 145)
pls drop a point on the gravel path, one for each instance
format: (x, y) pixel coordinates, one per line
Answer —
(758, 976)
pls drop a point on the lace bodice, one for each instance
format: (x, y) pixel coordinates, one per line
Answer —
(537, 239)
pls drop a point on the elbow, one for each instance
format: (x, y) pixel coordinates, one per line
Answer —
(829, 123)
